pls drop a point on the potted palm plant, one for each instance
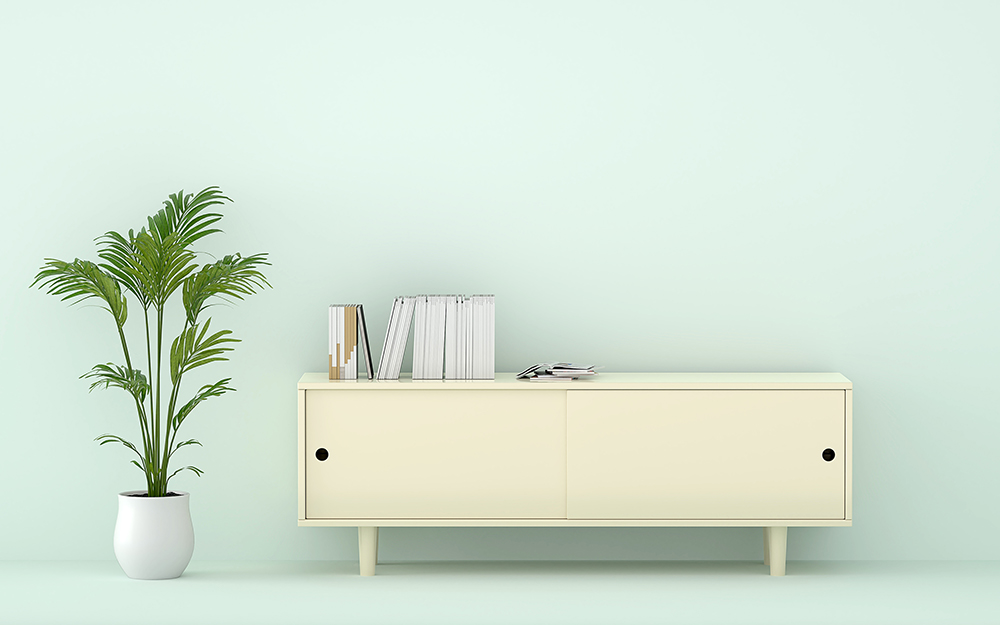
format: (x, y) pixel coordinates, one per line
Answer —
(154, 537)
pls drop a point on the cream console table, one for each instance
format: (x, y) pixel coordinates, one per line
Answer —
(770, 450)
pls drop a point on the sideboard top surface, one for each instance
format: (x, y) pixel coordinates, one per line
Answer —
(602, 381)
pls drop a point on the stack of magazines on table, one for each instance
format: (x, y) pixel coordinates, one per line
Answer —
(556, 372)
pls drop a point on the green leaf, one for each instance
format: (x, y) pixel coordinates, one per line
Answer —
(110, 374)
(183, 444)
(111, 438)
(121, 260)
(162, 264)
(163, 247)
(193, 349)
(184, 215)
(194, 470)
(232, 277)
(82, 280)
(209, 390)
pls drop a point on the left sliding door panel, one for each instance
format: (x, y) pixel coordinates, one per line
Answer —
(446, 454)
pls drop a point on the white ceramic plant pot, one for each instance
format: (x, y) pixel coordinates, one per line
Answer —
(154, 537)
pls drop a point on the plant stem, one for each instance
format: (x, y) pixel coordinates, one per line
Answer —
(159, 367)
(149, 366)
(138, 407)
(171, 433)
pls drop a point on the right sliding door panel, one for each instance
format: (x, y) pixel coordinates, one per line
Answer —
(731, 454)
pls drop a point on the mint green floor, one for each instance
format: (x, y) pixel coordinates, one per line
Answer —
(505, 592)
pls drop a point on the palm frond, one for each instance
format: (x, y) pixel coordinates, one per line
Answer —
(182, 444)
(131, 380)
(154, 262)
(81, 280)
(195, 347)
(162, 263)
(121, 260)
(209, 390)
(184, 215)
(233, 276)
(194, 470)
(111, 438)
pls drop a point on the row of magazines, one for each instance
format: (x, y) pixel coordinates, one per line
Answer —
(556, 372)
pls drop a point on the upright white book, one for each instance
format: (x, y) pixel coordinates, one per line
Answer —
(386, 356)
(491, 331)
(421, 338)
(434, 366)
(403, 334)
(395, 338)
(477, 330)
(451, 334)
(469, 334)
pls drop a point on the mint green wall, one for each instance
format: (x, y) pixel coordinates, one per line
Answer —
(737, 186)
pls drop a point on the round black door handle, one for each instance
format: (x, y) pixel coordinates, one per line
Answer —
(322, 454)
(829, 454)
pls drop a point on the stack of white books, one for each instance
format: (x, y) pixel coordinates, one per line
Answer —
(453, 337)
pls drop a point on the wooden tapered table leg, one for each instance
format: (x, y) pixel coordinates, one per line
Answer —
(767, 547)
(367, 549)
(776, 539)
